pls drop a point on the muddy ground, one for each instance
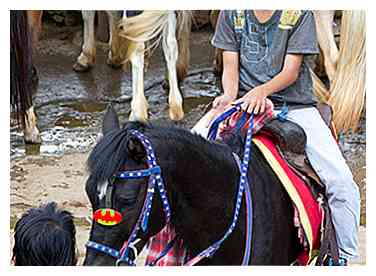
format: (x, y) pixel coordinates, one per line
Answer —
(70, 106)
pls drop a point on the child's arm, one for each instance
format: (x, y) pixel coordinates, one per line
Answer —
(254, 100)
(230, 81)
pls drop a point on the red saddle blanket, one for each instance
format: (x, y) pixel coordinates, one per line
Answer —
(309, 212)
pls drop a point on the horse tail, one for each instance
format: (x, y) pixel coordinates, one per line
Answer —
(348, 90)
(319, 88)
(184, 24)
(144, 27)
(21, 65)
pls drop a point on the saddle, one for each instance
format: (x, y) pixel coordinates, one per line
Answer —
(291, 141)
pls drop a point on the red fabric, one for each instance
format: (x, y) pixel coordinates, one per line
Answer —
(311, 206)
(258, 122)
(175, 257)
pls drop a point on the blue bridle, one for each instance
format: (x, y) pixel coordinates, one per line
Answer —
(156, 181)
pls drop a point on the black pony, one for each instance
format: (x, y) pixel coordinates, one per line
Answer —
(23, 77)
(201, 179)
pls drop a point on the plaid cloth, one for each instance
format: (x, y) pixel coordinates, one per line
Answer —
(258, 122)
(175, 257)
(178, 254)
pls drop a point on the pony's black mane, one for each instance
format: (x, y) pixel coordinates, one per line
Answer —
(110, 153)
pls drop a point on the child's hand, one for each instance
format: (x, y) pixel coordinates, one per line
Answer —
(220, 103)
(254, 100)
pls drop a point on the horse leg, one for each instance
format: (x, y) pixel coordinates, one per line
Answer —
(111, 19)
(111, 31)
(35, 23)
(184, 32)
(325, 37)
(139, 105)
(103, 26)
(87, 57)
(170, 50)
(31, 132)
(34, 19)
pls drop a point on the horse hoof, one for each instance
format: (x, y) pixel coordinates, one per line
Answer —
(138, 117)
(113, 65)
(176, 113)
(78, 67)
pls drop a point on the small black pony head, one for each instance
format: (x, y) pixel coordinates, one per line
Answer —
(116, 151)
(45, 236)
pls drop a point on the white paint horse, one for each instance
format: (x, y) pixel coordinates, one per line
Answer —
(86, 59)
(127, 43)
(345, 67)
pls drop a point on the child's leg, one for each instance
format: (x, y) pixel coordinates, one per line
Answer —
(328, 162)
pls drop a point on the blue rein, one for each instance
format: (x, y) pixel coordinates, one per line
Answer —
(243, 186)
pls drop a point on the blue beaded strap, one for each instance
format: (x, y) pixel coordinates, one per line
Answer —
(241, 122)
(243, 185)
(155, 181)
(139, 173)
(151, 160)
(103, 248)
(212, 134)
(248, 196)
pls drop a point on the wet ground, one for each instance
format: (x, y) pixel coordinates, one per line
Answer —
(70, 107)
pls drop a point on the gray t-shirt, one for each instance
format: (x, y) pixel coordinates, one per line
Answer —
(263, 47)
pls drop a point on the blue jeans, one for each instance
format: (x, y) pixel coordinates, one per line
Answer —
(330, 165)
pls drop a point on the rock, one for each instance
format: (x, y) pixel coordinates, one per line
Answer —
(75, 203)
(58, 18)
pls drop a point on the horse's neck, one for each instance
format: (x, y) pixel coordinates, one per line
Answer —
(203, 184)
(203, 194)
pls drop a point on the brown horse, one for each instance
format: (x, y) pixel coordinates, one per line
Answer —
(22, 82)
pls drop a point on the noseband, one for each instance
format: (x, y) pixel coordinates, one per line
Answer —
(155, 182)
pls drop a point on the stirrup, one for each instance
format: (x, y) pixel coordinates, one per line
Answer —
(330, 262)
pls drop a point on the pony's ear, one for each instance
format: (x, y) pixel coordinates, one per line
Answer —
(110, 120)
(136, 150)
